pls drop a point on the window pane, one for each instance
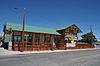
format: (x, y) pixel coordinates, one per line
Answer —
(37, 39)
(15, 38)
(19, 38)
(47, 39)
(69, 41)
(30, 39)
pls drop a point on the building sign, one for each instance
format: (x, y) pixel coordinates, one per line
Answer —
(10, 46)
(70, 45)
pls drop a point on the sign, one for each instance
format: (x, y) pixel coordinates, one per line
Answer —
(70, 45)
(10, 44)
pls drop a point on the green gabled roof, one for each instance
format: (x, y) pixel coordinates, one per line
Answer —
(28, 28)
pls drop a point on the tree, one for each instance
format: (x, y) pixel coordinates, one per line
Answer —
(88, 38)
(0, 37)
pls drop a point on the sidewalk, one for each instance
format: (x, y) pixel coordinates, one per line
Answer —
(4, 52)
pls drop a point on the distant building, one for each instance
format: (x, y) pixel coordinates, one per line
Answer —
(98, 43)
(38, 38)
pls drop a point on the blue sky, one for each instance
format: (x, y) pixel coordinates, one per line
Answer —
(53, 13)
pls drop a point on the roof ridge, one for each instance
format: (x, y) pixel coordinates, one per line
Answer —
(32, 26)
(65, 27)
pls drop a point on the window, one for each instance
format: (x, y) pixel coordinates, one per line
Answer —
(29, 38)
(47, 39)
(37, 39)
(17, 38)
(68, 41)
(75, 40)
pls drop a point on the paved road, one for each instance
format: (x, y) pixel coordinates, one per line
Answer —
(98, 46)
(74, 58)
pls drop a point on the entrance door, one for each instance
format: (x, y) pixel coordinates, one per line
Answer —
(69, 43)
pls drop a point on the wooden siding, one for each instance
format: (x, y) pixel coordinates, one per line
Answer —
(30, 46)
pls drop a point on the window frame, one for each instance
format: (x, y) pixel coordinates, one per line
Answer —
(17, 38)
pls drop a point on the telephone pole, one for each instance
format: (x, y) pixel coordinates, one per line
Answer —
(91, 29)
(23, 27)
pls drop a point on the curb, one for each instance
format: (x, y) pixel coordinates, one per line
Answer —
(44, 52)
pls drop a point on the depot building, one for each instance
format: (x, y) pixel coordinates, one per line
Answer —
(38, 38)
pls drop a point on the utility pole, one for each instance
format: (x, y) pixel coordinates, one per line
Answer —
(92, 34)
(23, 26)
(91, 29)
